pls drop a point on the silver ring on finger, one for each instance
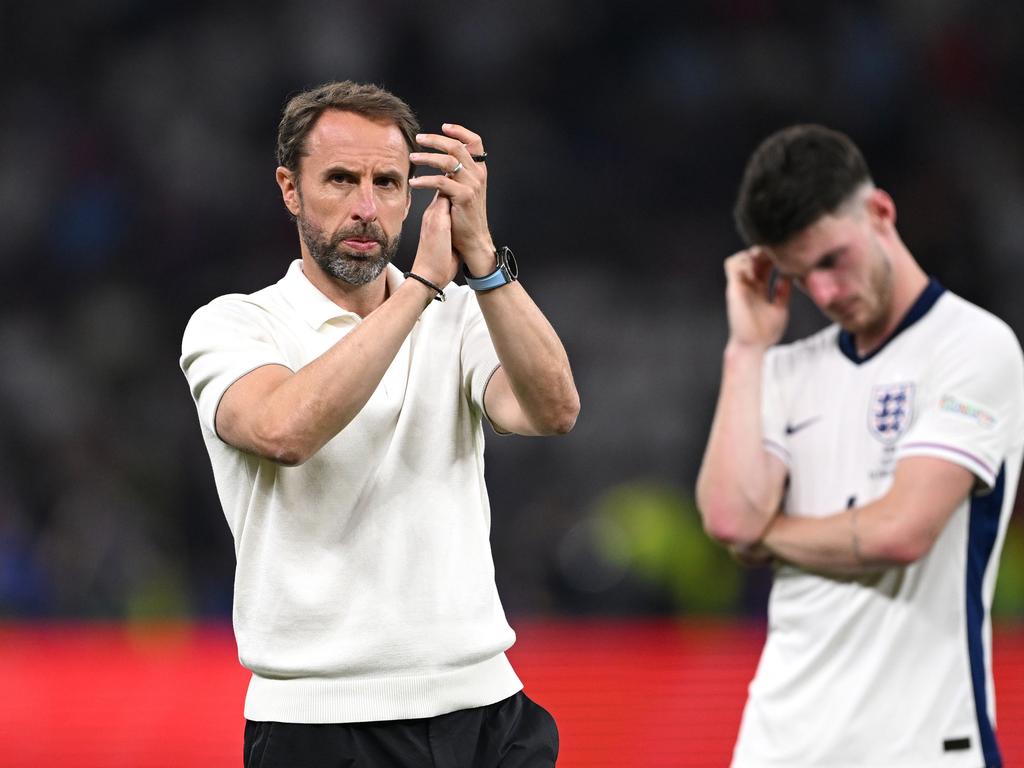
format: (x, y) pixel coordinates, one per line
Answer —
(457, 168)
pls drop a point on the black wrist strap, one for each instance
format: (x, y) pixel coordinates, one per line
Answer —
(414, 276)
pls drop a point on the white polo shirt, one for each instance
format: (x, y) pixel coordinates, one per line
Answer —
(893, 669)
(364, 584)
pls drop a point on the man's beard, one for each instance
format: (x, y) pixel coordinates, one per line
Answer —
(346, 264)
(877, 298)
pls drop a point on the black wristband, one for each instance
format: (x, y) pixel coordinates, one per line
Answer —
(414, 276)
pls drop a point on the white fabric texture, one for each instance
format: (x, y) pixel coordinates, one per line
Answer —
(364, 584)
(881, 670)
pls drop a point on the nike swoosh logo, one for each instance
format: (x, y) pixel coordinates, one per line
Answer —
(792, 429)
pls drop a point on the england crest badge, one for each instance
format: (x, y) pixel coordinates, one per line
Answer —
(890, 411)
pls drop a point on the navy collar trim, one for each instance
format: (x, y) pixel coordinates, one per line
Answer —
(927, 299)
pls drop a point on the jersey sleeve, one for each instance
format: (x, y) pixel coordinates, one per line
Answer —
(222, 342)
(773, 407)
(479, 360)
(971, 409)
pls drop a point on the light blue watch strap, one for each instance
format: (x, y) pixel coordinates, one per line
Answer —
(506, 272)
(497, 278)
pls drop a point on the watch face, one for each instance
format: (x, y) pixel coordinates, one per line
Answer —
(509, 260)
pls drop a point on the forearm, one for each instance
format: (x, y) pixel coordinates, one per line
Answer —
(532, 357)
(737, 492)
(854, 541)
(835, 544)
(321, 399)
(896, 529)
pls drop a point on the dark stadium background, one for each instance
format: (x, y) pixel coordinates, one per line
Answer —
(136, 183)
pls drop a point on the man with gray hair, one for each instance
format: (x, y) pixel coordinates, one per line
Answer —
(342, 409)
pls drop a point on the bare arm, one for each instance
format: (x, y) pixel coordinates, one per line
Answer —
(287, 417)
(740, 485)
(897, 529)
(533, 392)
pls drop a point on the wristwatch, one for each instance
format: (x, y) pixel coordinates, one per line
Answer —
(507, 272)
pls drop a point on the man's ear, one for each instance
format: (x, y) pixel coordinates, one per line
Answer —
(289, 184)
(881, 208)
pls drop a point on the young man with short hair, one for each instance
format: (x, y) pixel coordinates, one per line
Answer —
(876, 461)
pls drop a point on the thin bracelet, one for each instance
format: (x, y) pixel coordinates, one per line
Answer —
(855, 539)
(414, 276)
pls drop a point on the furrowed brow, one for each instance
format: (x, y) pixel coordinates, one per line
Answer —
(339, 170)
(390, 173)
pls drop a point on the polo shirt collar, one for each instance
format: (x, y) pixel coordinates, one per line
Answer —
(312, 305)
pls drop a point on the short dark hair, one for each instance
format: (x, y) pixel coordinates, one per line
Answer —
(304, 109)
(793, 178)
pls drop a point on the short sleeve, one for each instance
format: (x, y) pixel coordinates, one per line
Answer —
(222, 342)
(479, 360)
(970, 411)
(773, 410)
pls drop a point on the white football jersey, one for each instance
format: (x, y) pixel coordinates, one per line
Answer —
(892, 669)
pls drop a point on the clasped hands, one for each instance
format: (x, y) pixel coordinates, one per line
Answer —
(454, 226)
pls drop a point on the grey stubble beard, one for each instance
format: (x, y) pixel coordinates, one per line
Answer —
(344, 264)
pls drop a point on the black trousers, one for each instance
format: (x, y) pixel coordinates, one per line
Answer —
(513, 733)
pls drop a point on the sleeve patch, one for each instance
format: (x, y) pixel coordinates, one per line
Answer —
(956, 406)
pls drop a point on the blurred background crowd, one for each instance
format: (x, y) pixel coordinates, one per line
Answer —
(137, 183)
